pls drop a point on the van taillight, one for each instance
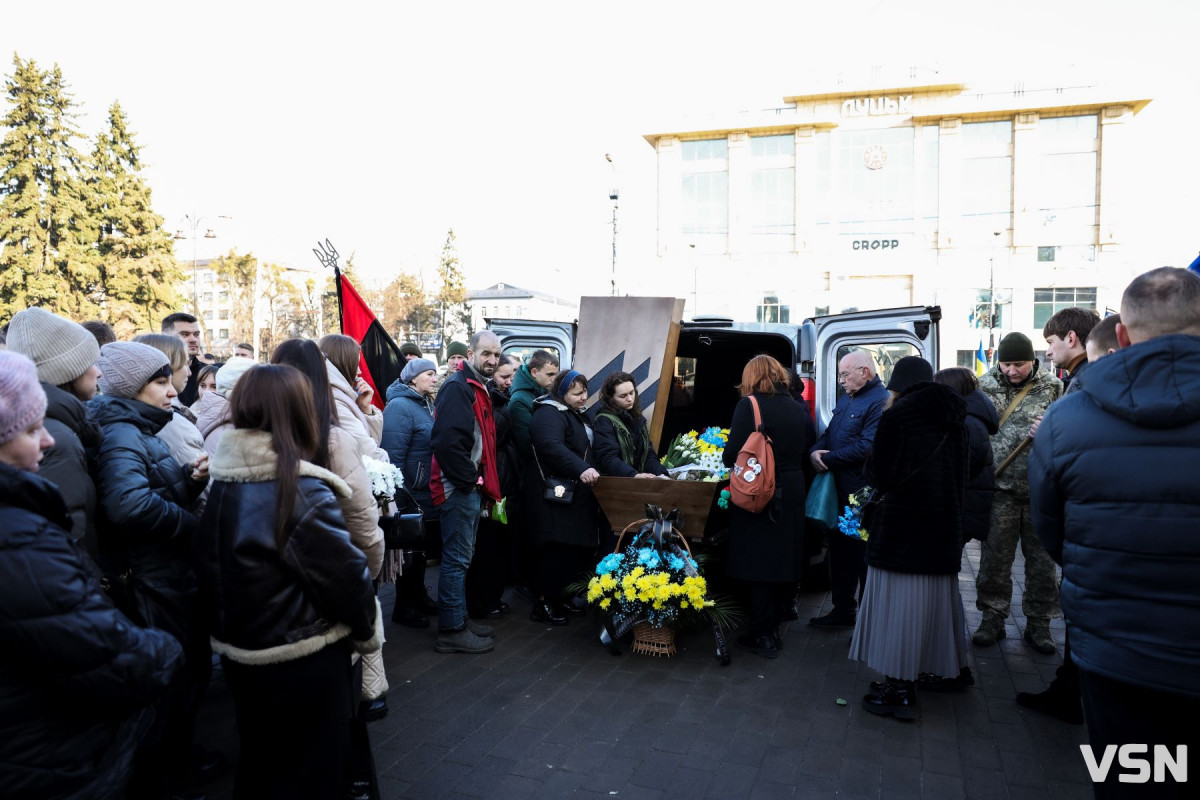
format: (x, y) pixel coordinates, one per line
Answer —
(810, 396)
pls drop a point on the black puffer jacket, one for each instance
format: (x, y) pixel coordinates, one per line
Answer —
(264, 606)
(66, 465)
(143, 524)
(559, 438)
(74, 670)
(507, 462)
(983, 421)
(919, 462)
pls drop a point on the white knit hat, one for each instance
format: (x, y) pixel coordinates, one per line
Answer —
(229, 373)
(61, 349)
(129, 366)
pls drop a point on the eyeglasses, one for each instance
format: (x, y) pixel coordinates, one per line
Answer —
(843, 375)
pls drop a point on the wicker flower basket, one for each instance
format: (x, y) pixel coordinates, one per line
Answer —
(654, 641)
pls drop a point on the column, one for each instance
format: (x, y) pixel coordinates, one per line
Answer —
(1116, 170)
(739, 192)
(670, 196)
(1026, 224)
(949, 181)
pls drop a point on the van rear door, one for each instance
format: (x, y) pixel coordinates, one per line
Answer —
(520, 337)
(889, 334)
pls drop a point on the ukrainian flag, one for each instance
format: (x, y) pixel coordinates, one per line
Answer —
(980, 360)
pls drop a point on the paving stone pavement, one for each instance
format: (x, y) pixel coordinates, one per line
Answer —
(550, 714)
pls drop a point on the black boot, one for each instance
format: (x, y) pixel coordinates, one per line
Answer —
(759, 645)
(1056, 702)
(548, 614)
(895, 698)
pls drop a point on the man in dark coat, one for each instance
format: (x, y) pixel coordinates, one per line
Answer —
(187, 328)
(1121, 520)
(463, 476)
(843, 448)
(65, 355)
(1066, 336)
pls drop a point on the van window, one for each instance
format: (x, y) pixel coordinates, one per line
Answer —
(524, 352)
(886, 354)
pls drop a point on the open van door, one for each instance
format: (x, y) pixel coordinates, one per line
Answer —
(520, 337)
(889, 334)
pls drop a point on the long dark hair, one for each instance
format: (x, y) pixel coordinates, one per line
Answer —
(960, 379)
(343, 353)
(304, 355)
(277, 399)
(608, 394)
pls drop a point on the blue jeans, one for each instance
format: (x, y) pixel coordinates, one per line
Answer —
(460, 520)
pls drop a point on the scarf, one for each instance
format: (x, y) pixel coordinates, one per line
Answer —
(635, 449)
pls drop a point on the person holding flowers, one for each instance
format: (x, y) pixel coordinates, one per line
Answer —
(911, 625)
(766, 549)
(622, 445)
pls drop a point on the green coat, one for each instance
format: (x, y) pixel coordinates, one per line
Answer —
(1046, 389)
(522, 393)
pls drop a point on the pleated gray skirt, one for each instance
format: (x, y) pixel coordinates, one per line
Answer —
(909, 624)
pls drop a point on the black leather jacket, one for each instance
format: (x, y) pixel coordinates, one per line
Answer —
(263, 605)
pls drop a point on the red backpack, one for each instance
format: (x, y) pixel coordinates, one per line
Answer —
(752, 480)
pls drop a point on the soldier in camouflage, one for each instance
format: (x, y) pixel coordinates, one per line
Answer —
(1017, 370)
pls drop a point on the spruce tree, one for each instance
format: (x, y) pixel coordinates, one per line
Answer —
(138, 270)
(45, 228)
(452, 296)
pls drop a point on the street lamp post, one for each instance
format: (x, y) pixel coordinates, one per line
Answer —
(992, 300)
(194, 222)
(613, 195)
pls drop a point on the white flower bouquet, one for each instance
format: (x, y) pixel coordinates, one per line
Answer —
(385, 480)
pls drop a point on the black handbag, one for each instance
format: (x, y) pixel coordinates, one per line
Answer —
(363, 783)
(557, 490)
(404, 530)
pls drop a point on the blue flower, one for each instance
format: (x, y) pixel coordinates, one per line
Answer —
(675, 562)
(649, 558)
(608, 564)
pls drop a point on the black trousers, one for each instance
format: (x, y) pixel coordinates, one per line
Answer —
(1120, 713)
(1066, 677)
(293, 721)
(562, 564)
(847, 571)
(765, 604)
(487, 573)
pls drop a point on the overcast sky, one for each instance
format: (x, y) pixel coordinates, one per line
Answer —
(381, 125)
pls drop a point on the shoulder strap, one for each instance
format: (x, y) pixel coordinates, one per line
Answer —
(1016, 401)
(758, 423)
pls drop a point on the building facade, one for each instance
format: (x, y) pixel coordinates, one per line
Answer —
(978, 201)
(505, 301)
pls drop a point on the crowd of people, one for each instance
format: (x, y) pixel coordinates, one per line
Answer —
(160, 510)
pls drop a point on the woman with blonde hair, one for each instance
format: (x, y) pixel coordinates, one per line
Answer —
(766, 548)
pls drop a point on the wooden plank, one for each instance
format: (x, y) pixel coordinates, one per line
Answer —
(624, 500)
(638, 335)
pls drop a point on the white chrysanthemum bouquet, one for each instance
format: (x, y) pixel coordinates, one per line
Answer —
(385, 480)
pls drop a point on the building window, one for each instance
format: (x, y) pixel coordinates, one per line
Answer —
(773, 192)
(705, 185)
(1064, 193)
(966, 359)
(223, 297)
(223, 314)
(873, 181)
(208, 316)
(208, 297)
(986, 178)
(773, 146)
(1046, 253)
(223, 333)
(772, 311)
(1048, 302)
(983, 310)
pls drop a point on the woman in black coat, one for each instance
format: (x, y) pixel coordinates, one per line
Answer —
(911, 620)
(566, 533)
(287, 594)
(766, 549)
(77, 675)
(983, 422)
(622, 445)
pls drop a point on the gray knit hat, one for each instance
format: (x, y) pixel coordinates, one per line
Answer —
(21, 397)
(61, 349)
(415, 367)
(128, 366)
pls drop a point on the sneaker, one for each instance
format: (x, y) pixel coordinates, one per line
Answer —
(936, 683)
(371, 710)
(896, 699)
(991, 630)
(1037, 634)
(462, 641)
(486, 631)
(548, 614)
(1061, 704)
(834, 619)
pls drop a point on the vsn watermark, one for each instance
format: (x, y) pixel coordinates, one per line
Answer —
(1136, 768)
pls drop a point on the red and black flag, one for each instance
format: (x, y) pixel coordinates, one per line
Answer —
(381, 361)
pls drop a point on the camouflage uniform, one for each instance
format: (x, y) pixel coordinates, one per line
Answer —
(1010, 508)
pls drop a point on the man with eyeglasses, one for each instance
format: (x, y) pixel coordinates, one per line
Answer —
(843, 449)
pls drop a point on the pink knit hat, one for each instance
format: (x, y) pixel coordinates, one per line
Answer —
(22, 400)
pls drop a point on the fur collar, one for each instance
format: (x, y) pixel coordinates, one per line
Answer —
(245, 456)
